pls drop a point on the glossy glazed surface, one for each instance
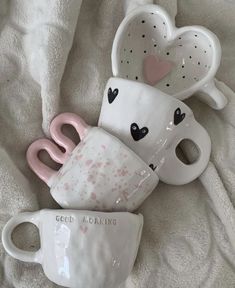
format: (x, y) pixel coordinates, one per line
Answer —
(193, 51)
(100, 173)
(81, 248)
(152, 124)
(103, 174)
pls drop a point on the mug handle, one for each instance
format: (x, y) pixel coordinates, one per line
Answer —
(212, 96)
(173, 170)
(44, 172)
(26, 256)
(56, 130)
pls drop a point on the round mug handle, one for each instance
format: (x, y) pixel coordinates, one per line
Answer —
(173, 170)
(212, 96)
(26, 256)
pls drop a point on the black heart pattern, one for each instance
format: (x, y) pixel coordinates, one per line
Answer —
(112, 94)
(178, 116)
(138, 133)
(152, 167)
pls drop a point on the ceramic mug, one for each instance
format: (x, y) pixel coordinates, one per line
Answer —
(149, 48)
(100, 173)
(153, 124)
(81, 248)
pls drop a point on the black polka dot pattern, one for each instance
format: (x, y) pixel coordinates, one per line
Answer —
(190, 68)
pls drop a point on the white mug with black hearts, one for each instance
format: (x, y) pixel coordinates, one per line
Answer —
(153, 124)
(80, 248)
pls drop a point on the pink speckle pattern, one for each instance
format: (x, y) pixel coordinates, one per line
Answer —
(90, 178)
(66, 186)
(99, 164)
(122, 172)
(88, 162)
(96, 177)
(79, 157)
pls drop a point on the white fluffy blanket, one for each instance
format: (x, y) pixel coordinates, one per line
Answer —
(54, 57)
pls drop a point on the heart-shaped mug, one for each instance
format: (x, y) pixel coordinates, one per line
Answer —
(153, 125)
(178, 61)
(100, 173)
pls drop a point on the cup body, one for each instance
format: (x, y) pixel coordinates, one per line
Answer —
(81, 248)
(152, 124)
(102, 174)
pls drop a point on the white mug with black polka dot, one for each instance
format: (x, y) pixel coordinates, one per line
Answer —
(99, 173)
(149, 48)
(153, 125)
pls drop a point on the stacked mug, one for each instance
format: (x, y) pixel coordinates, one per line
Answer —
(94, 240)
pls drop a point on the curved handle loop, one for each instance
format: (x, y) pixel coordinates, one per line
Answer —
(26, 256)
(43, 171)
(56, 130)
(173, 170)
(212, 96)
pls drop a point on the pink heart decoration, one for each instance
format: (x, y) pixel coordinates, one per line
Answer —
(83, 229)
(156, 69)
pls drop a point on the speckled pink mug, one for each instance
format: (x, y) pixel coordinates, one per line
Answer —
(100, 173)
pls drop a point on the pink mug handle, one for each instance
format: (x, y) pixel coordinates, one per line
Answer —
(44, 172)
(56, 130)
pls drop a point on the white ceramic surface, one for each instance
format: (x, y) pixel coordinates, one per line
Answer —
(101, 173)
(194, 51)
(81, 248)
(152, 124)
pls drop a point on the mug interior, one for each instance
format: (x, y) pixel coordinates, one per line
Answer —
(190, 53)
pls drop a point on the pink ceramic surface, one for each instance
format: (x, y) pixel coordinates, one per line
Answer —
(43, 171)
(100, 173)
(155, 69)
(148, 33)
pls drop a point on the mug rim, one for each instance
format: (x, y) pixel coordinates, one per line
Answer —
(173, 30)
(143, 85)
